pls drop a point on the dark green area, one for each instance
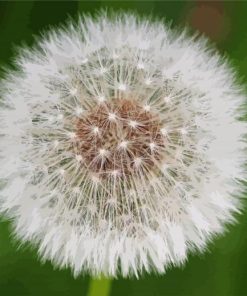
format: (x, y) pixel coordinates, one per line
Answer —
(221, 271)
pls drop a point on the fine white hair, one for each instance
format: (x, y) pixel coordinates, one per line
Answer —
(138, 217)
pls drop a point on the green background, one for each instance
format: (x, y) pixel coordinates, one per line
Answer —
(222, 270)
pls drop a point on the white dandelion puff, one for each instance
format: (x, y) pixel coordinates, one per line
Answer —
(121, 146)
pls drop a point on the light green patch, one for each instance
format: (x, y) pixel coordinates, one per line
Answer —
(100, 287)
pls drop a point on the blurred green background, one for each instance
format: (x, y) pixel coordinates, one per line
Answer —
(222, 270)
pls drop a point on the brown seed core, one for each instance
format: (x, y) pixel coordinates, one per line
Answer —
(119, 138)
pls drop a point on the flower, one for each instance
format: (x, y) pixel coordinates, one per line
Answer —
(121, 146)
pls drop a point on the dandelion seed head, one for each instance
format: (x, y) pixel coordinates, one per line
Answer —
(126, 155)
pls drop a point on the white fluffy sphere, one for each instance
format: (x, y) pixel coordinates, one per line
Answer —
(121, 147)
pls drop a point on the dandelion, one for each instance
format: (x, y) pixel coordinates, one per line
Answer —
(121, 146)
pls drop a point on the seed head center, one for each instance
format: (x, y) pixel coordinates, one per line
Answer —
(119, 138)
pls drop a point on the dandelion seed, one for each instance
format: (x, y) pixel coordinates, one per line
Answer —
(51, 119)
(84, 61)
(122, 87)
(134, 195)
(137, 161)
(79, 111)
(102, 71)
(164, 131)
(165, 166)
(103, 152)
(55, 143)
(72, 135)
(115, 56)
(133, 123)
(95, 130)
(76, 190)
(115, 173)
(73, 91)
(167, 99)
(60, 117)
(140, 66)
(148, 81)
(62, 172)
(95, 179)
(152, 146)
(78, 158)
(183, 131)
(112, 116)
(101, 99)
(123, 144)
(147, 108)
